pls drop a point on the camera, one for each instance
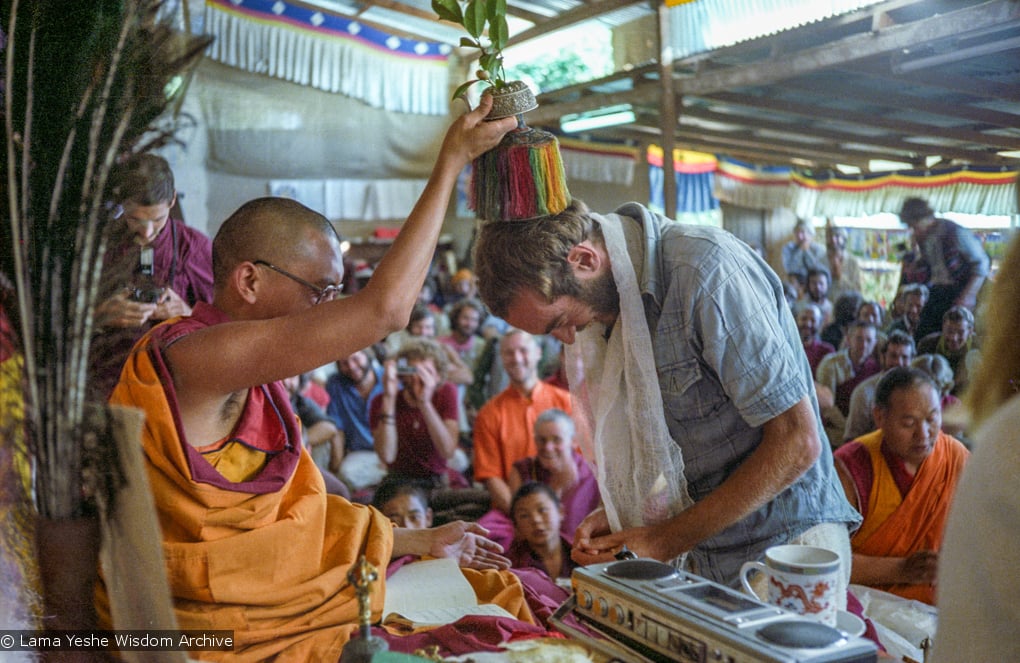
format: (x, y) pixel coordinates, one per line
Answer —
(146, 295)
(404, 369)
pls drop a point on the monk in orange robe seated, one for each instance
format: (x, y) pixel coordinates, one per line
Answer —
(901, 478)
(251, 540)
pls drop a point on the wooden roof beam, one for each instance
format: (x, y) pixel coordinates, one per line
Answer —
(865, 119)
(763, 151)
(638, 75)
(832, 152)
(974, 87)
(566, 19)
(550, 113)
(890, 143)
(850, 90)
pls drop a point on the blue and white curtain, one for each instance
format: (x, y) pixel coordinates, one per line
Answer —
(291, 41)
(694, 173)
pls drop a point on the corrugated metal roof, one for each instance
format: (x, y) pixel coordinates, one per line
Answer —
(804, 81)
(705, 25)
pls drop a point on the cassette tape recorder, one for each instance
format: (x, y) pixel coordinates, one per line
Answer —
(646, 611)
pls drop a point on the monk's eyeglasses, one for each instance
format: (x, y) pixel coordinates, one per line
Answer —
(327, 294)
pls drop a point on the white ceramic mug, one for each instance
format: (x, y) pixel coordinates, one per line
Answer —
(802, 579)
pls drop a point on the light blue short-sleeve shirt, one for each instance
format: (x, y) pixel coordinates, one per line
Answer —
(729, 359)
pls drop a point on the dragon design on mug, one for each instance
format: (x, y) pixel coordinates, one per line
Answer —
(791, 593)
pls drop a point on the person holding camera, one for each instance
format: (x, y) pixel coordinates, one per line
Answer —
(155, 268)
(414, 421)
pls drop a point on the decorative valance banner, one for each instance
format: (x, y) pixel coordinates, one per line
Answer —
(752, 186)
(694, 173)
(353, 200)
(988, 190)
(598, 162)
(967, 189)
(330, 52)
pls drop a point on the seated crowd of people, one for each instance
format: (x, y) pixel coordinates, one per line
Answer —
(460, 426)
(393, 421)
(887, 394)
(474, 423)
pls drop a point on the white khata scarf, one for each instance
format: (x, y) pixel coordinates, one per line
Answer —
(640, 468)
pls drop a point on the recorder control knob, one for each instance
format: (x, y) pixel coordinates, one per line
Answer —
(619, 614)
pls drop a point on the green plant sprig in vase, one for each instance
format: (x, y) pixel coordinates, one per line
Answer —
(485, 22)
(522, 178)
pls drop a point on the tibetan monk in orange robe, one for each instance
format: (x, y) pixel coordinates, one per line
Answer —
(901, 478)
(251, 540)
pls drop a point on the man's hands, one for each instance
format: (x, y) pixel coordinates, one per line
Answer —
(593, 542)
(123, 312)
(170, 305)
(920, 568)
(422, 385)
(464, 542)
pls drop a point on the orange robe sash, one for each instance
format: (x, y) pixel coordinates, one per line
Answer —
(896, 525)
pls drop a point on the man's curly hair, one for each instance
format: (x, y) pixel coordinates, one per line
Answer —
(511, 256)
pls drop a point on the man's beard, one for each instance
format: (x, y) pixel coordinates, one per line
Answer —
(601, 295)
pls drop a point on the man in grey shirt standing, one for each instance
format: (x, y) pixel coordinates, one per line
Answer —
(733, 384)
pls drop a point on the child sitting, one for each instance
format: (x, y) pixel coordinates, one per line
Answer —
(536, 513)
(404, 502)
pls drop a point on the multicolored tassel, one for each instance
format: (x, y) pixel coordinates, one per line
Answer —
(521, 178)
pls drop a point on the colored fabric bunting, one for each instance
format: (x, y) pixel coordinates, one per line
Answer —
(971, 189)
(694, 173)
(753, 186)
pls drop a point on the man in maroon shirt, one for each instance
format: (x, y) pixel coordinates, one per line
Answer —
(809, 324)
(155, 268)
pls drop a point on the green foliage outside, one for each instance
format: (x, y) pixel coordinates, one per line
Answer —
(553, 72)
(568, 57)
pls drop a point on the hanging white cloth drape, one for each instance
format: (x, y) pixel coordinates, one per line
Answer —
(588, 161)
(753, 186)
(356, 200)
(330, 52)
